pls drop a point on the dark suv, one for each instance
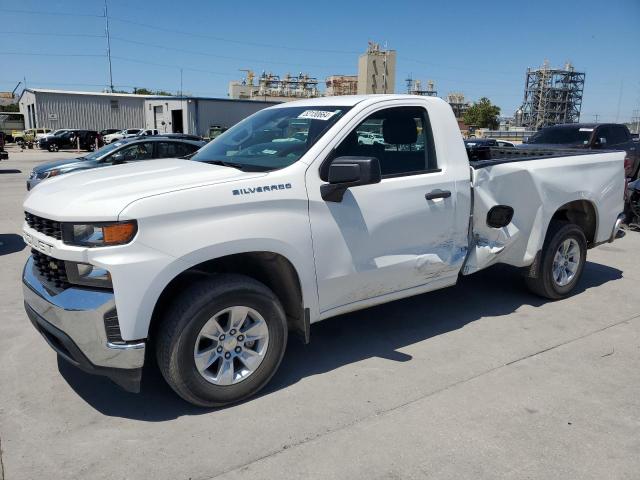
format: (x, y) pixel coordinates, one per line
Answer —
(89, 140)
(120, 151)
(595, 136)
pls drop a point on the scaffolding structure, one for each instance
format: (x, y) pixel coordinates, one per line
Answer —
(341, 85)
(414, 87)
(551, 96)
(271, 86)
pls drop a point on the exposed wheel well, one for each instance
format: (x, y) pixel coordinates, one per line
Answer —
(272, 269)
(583, 214)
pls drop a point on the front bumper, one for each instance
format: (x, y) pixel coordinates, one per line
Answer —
(72, 322)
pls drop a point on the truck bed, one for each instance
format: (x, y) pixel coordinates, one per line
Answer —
(488, 156)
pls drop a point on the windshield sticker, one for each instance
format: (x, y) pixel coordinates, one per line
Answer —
(586, 129)
(317, 114)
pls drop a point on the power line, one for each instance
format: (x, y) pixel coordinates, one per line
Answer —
(48, 54)
(212, 55)
(41, 12)
(52, 34)
(229, 40)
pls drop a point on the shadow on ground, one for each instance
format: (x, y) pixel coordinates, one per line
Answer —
(375, 332)
(10, 170)
(11, 243)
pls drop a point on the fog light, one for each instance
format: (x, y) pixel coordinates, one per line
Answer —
(88, 275)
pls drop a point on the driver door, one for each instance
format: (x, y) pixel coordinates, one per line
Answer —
(387, 240)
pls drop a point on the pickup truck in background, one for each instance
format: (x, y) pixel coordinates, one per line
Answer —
(591, 136)
(212, 261)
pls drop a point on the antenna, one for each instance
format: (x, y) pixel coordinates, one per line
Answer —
(106, 20)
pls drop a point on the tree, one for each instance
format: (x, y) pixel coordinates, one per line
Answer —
(12, 107)
(482, 114)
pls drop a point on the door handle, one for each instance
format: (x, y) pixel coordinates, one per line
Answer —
(432, 195)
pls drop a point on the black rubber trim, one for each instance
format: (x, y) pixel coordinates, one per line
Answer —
(127, 378)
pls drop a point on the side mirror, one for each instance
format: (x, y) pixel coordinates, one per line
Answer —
(347, 172)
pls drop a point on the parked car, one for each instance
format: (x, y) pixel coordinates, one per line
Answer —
(122, 151)
(4, 155)
(109, 131)
(210, 262)
(591, 136)
(89, 140)
(369, 138)
(479, 148)
(129, 132)
(632, 205)
(147, 133)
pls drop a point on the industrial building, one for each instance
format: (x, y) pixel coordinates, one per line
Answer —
(196, 115)
(55, 109)
(377, 70)
(376, 74)
(341, 85)
(458, 104)
(551, 96)
(97, 111)
(414, 87)
(271, 87)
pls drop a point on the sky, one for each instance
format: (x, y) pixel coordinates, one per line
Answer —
(475, 47)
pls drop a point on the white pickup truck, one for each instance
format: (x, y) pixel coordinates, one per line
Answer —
(285, 220)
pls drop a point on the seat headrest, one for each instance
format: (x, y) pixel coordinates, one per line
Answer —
(399, 130)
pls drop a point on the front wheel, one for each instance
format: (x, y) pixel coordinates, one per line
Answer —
(221, 340)
(562, 261)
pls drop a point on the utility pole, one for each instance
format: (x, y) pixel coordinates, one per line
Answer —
(595, 117)
(106, 19)
(181, 82)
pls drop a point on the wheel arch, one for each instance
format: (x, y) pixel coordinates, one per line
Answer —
(274, 270)
(584, 214)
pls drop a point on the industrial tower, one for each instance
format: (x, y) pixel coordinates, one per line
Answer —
(551, 96)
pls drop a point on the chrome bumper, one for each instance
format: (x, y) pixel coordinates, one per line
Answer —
(72, 322)
(617, 228)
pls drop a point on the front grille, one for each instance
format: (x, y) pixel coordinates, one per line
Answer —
(52, 269)
(50, 228)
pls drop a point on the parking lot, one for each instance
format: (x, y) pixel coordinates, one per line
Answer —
(482, 381)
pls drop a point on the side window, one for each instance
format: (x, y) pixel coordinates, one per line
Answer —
(400, 137)
(175, 149)
(618, 135)
(138, 151)
(604, 132)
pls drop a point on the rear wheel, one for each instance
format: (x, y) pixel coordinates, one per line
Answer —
(221, 340)
(53, 147)
(561, 263)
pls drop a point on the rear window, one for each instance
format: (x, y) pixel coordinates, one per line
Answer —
(563, 136)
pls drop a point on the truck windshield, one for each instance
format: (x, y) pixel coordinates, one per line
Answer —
(563, 136)
(270, 139)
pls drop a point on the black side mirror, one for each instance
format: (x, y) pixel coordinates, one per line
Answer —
(347, 172)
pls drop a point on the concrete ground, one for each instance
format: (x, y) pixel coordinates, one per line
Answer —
(480, 381)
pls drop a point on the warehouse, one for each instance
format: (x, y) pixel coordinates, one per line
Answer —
(43, 108)
(195, 115)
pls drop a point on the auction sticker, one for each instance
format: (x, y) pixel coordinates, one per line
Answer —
(317, 114)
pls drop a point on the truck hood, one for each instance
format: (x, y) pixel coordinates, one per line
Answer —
(102, 193)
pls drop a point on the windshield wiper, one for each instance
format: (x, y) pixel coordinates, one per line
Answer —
(225, 164)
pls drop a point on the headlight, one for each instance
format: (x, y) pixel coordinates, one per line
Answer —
(88, 275)
(99, 234)
(51, 173)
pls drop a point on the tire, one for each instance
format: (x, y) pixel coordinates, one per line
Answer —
(178, 337)
(544, 283)
(53, 147)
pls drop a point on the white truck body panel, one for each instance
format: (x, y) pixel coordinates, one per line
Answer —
(383, 241)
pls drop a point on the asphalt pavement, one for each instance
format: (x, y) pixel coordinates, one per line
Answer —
(479, 381)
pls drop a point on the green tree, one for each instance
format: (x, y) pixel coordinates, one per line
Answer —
(12, 107)
(482, 114)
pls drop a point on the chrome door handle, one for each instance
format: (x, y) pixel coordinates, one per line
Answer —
(432, 195)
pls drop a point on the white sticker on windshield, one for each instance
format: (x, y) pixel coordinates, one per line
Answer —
(586, 129)
(317, 114)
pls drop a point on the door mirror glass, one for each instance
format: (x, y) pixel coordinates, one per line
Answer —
(347, 172)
